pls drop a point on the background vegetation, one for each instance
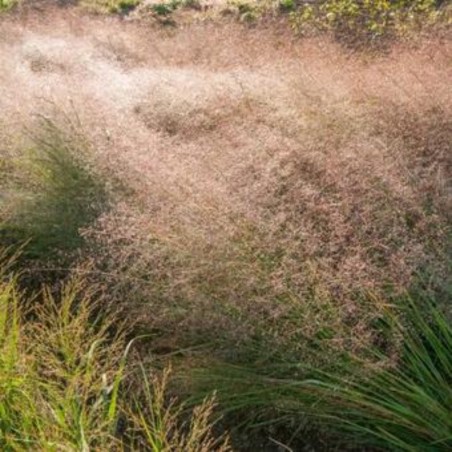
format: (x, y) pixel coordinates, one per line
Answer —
(243, 245)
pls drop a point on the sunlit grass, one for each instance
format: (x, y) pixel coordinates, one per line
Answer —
(62, 380)
(58, 370)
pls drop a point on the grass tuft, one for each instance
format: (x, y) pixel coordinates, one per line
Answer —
(167, 424)
(62, 380)
(55, 371)
(55, 195)
(401, 404)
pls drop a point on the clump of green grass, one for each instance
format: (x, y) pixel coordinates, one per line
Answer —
(59, 372)
(13, 381)
(53, 195)
(63, 366)
(400, 404)
(158, 420)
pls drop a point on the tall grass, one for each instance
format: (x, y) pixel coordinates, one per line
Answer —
(397, 404)
(167, 424)
(54, 194)
(62, 381)
(58, 368)
(268, 183)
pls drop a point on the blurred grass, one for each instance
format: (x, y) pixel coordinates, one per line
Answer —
(53, 195)
(7, 4)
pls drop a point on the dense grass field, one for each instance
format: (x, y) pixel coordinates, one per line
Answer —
(225, 226)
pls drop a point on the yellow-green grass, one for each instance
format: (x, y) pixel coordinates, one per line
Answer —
(63, 380)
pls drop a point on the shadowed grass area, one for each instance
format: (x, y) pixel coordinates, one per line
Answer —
(53, 195)
(401, 402)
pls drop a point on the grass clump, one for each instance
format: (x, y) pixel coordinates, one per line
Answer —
(158, 420)
(63, 381)
(407, 406)
(399, 403)
(53, 195)
(57, 372)
(14, 401)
